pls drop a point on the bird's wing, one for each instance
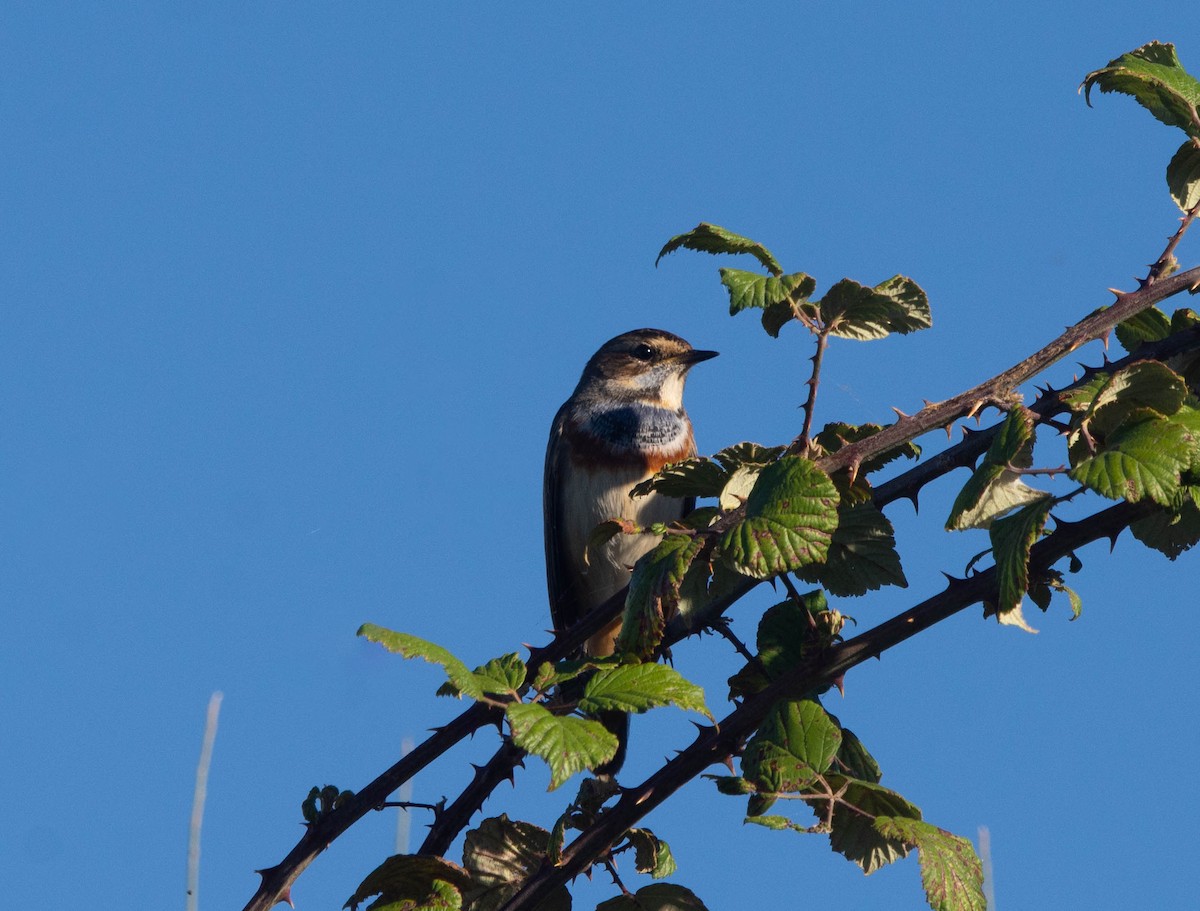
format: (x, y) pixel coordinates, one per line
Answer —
(562, 577)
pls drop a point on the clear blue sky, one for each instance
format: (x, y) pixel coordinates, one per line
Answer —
(292, 291)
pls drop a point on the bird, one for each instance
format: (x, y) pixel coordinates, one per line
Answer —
(624, 421)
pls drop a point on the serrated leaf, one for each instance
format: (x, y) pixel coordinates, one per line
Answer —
(654, 594)
(747, 453)
(651, 854)
(791, 514)
(655, 897)
(707, 238)
(1139, 460)
(1149, 325)
(1170, 532)
(1183, 176)
(951, 871)
(753, 290)
(500, 855)
(1106, 400)
(412, 879)
(410, 646)
(1011, 540)
(502, 676)
(776, 823)
(639, 687)
(796, 742)
(1156, 79)
(567, 744)
(853, 834)
(854, 311)
(698, 477)
(862, 555)
(835, 435)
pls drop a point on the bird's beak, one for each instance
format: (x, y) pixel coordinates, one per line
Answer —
(695, 357)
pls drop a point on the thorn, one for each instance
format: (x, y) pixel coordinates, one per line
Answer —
(729, 765)
(1120, 294)
(913, 496)
(852, 470)
(975, 408)
(840, 682)
(928, 404)
(949, 431)
(899, 413)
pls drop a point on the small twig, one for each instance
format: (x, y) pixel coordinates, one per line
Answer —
(1051, 472)
(722, 627)
(616, 878)
(1165, 261)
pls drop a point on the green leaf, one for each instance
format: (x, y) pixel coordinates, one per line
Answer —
(743, 454)
(708, 238)
(1170, 532)
(753, 290)
(1107, 399)
(951, 871)
(791, 515)
(691, 478)
(409, 646)
(835, 435)
(1011, 540)
(853, 834)
(502, 676)
(652, 854)
(854, 311)
(655, 897)
(776, 823)
(1183, 176)
(639, 687)
(856, 760)
(995, 489)
(1153, 76)
(1140, 459)
(1149, 325)
(731, 785)
(795, 743)
(654, 594)
(421, 881)
(500, 855)
(567, 744)
(862, 556)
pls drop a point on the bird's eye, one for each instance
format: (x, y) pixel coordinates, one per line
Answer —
(642, 352)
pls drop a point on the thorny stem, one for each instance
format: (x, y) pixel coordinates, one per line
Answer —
(722, 627)
(277, 880)
(813, 382)
(715, 744)
(1165, 262)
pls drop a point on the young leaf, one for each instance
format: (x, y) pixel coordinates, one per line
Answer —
(791, 515)
(654, 594)
(1107, 399)
(500, 855)
(638, 687)
(951, 871)
(1011, 540)
(854, 758)
(1153, 75)
(862, 556)
(708, 238)
(1183, 175)
(567, 744)
(651, 854)
(654, 897)
(410, 646)
(781, 298)
(424, 882)
(854, 311)
(502, 676)
(743, 454)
